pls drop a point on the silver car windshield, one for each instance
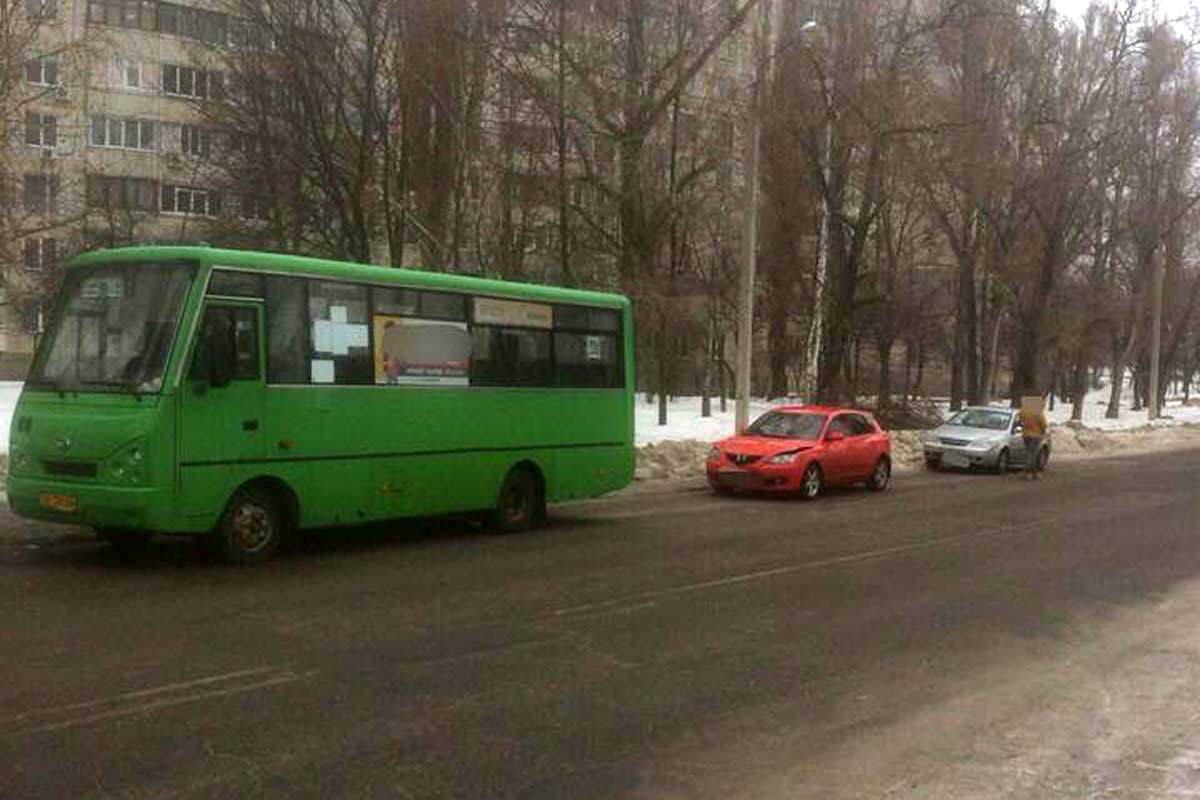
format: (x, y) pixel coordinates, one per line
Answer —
(113, 328)
(981, 418)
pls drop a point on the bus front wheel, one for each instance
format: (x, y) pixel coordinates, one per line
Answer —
(519, 503)
(251, 529)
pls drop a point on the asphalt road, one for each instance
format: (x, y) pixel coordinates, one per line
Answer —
(958, 636)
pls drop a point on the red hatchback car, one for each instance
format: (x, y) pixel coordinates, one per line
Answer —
(803, 449)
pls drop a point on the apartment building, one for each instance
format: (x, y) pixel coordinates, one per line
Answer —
(112, 147)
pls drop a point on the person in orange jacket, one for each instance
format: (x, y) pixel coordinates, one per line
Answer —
(1033, 429)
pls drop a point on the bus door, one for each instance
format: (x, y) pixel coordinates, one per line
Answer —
(223, 396)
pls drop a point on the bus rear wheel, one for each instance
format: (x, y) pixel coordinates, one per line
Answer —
(251, 529)
(519, 503)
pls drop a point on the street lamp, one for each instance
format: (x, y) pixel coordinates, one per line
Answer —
(745, 343)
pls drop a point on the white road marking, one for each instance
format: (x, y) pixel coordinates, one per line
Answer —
(645, 598)
(170, 687)
(274, 677)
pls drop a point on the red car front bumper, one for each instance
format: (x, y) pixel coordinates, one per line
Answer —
(756, 478)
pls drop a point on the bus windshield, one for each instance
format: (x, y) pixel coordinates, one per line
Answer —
(113, 328)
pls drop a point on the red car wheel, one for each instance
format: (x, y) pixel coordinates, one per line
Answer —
(811, 482)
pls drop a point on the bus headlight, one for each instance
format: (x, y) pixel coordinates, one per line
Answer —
(128, 465)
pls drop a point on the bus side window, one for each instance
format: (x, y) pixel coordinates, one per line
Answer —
(287, 342)
(510, 357)
(229, 335)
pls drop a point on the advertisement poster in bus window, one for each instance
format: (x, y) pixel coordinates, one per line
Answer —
(425, 352)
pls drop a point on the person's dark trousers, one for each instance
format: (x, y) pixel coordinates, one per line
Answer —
(1033, 444)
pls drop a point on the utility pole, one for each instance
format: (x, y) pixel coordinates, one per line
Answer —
(812, 363)
(745, 337)
(1156, 293)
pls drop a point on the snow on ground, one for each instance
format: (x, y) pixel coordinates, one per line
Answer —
(684, 421)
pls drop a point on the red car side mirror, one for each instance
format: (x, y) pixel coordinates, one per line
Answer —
(834, 436)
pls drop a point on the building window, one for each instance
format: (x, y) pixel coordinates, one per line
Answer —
(254, 207)
(129, 75)
(106, 192)
(189, 82)
(188, 200)
(41, 9)
(136, 14)
(195, 141)
(42, 71)
(41, 255)
(194, 23)
(41, 130)
(41, 193)
(131, 134)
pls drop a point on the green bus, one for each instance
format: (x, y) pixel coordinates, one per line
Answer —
(239, 396)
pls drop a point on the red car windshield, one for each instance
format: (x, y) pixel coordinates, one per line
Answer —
(787, 425)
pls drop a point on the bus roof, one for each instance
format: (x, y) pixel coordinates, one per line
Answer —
(346, 270)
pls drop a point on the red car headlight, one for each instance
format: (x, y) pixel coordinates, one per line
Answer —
(714, 454)
(784, 458)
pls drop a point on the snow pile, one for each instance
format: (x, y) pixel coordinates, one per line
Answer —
(906, 448)
(1074, 439)
(667, 459)
(10, 391)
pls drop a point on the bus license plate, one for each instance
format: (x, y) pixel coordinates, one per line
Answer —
(63, 503)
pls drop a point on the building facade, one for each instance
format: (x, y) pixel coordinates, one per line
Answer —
(110, 146)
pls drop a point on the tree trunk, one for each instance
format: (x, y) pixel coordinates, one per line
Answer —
(1079, 384)
(988, 384)
(884, 398)
(908, 363)
(920, 369)
(778, 349)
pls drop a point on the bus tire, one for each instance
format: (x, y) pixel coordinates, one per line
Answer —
(251, 529)
(519, 503)
(124, 540)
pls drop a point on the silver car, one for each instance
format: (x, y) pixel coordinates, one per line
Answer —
(980, 436)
